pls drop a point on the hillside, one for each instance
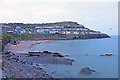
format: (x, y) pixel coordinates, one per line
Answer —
(30, 25)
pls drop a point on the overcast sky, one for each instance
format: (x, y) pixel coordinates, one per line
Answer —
(98, 15)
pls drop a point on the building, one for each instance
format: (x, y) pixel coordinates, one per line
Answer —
(7, 29)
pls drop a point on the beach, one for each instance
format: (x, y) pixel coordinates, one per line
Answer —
(17, 65)
(22, 45)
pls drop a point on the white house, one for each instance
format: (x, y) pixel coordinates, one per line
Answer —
(68, 32)
(55, 31)
(18, 27)
(51, 32)
(75, 32)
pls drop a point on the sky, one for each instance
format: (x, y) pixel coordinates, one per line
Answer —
(100, 15)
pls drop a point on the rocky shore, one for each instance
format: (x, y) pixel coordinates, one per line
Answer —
(31, 64)
(14, 68)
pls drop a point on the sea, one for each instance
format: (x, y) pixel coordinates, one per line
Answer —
(105, 66)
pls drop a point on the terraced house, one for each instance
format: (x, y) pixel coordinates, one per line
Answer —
(63, 30)
(67, 28)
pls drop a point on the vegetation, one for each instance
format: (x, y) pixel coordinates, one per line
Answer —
(90, 36)
(64, 23)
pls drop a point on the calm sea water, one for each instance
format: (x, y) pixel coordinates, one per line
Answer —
(105, 67)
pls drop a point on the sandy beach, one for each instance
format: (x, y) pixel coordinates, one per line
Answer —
(24, 45)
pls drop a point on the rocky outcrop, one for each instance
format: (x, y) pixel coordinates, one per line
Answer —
(52, 57)
(15, 67)
(57, 55)
(107, 54)
(24, 66)
(86, 70)
(93, 36)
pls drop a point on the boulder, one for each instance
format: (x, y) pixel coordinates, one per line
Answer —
(86, 54)
(7, 53)
(66, 55)
(57, 55)
(86, 70)
(108, 54)
(102, 55)
(70, 60)
(14, 57)
(47, 52)
(14, 42)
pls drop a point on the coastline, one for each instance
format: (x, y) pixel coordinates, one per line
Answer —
(50, 71)
(17, 65)
(23, 45)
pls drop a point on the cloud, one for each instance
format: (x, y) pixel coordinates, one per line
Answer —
(46, 9)
(94, 15)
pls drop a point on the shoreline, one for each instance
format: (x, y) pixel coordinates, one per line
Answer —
(16, 65)
(24, 45)
(41, 61)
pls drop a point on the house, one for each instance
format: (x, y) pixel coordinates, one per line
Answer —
(10, 31)
(68, 32)
(75, 32)
(18, 27)
(82, 33)
(62, 32)
(6, 29)
(40, 31)
(51, 32)
(39, 27)
(46, 32)
(22, 31)
(55, 31)
(91, 32)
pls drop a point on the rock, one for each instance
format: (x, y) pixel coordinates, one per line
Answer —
(108, 54)
(14, 57)
(24, 62)
(47, 52)
(102, 55)
(40, 68)
(31, 63)
(15, 42)
(7, 53)
(52, 72)
(86, 54)
(8, 56)
(37, 65)
(33, 66)
(70, 60)
(66, 55)
(86, 70)
(33, 54)
(21, 69)
(57, 55)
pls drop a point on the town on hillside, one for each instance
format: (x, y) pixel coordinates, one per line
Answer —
(47, 28)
